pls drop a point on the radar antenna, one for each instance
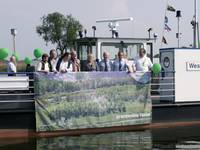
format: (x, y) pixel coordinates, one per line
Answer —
(113, 24)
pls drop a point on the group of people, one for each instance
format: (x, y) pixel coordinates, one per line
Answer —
(69, 62)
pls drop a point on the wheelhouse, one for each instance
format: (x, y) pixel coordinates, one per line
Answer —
(96, 46)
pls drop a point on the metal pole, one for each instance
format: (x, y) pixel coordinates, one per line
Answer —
(93, 33)
(178, 36)
(178, 15)
(198, 35)
(195, 24)
(14, 43)
(94, 30)
(149, 34)
(13, 33)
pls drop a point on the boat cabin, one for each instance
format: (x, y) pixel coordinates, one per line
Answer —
(98, 45)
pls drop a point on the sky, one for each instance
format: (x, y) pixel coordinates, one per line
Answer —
(25, 15)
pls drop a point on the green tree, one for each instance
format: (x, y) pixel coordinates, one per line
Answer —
(59, 29)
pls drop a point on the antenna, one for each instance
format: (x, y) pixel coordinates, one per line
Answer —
(113, 24)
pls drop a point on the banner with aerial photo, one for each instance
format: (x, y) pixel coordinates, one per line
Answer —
(91, 100)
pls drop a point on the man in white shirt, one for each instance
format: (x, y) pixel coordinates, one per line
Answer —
(11, 67)
(120, 64)
(105, 65)
(43, 65)
(142, 62)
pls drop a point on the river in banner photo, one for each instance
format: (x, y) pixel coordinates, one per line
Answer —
(179, 138)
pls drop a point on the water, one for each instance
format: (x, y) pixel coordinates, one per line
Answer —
(180, 138)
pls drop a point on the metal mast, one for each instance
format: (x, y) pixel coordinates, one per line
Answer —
(195, 25)
(178, 15)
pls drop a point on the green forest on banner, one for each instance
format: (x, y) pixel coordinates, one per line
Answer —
(91, 100)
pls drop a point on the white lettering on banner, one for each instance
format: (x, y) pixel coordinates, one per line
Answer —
(193, 66)
(135, 116)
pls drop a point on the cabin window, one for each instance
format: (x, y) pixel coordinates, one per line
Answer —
(84, 50)
(130, 49)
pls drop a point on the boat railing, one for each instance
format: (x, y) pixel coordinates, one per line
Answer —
(163, 87)
(17, 92)
(20, 87)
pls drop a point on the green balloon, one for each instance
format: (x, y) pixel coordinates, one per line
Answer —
(156, 68)
(38, 53)
(27, 60)
(16, 56)
(3, 53)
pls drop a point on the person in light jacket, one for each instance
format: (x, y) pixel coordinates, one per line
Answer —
(120, 64)
(106, 64)
(12, 67)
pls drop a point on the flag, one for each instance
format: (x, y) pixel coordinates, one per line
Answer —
(167, 28)
(166, 19)
(164, 40)
(171, 8)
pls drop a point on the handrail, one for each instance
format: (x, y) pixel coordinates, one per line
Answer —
(163, 78)
(16, 101)
(85, 71)
(16, 73)
(163, 83)
(15, 94)
(156, 80)
(162, 96)
(163, 90)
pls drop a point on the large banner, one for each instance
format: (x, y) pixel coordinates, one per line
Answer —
(91, 100)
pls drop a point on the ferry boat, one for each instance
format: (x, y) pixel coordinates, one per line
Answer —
(174, 92)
